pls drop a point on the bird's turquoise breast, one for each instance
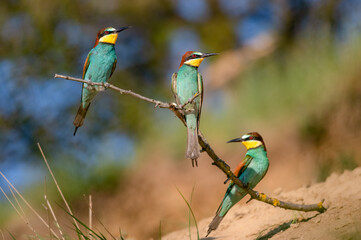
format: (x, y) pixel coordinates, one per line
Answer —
(252, 175)
(101, 63)
(99, 70)
(257, 167)
(187, 83)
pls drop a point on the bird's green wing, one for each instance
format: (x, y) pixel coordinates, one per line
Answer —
(114, 66)
(174, 87)
(200, 91)
(86, 64)
(85, 69)
(242, 165)
(238, 171)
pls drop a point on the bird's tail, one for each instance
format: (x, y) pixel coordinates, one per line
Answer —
(79, 118)
(192, 138)
(214, 224)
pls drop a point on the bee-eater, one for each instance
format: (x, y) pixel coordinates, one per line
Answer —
(98, 67)
(186, 83)
(250, 171)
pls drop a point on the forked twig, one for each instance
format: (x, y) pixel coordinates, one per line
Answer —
(207, 148)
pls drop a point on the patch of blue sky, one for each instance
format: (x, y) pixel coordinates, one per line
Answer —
(46, 101)
(181, 40)
(111, 147)
(8, 89)
(193, 10)
(252, 26)
(234, 8)
(350, 22)
(14, 146)
(21, 175)
(131, 50)
(72, 32)
(10, 28)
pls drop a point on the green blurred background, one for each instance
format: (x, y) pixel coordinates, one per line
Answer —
(287, 69)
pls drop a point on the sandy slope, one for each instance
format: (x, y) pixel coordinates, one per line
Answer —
(257, 220)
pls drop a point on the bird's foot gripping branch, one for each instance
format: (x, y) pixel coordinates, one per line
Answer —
(177, 109)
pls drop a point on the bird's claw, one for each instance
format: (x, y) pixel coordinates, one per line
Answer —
(106, 85)
(245, 185)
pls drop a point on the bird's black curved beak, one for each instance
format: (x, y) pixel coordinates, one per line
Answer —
(235, 140)
(204, 55)
(122, 28)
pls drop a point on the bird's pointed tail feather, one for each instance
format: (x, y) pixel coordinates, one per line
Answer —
(192, 139)
(214, 224)
(79, 118)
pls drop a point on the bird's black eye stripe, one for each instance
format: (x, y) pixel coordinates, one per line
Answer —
(106, 33)
(193, 56)
(254, 138)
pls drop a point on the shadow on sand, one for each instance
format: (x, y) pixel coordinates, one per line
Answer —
(282, 227)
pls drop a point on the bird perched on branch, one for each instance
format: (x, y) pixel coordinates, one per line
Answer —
(250, 171)
(98, 67)
(187, 87)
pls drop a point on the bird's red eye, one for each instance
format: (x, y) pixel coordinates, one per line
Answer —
(106, 32)
(250, 138)
(194, 56)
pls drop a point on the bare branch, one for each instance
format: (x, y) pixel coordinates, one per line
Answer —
(207, 148)
(121, 91)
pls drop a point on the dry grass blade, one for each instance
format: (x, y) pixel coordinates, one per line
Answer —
(17, 211)
(29, 206)
(2, 234)
(93, 214)
(90, 213)
(16, 199)
(57, 185)
(54, 216)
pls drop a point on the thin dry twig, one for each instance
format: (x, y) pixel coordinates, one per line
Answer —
(57, 185)
(121, 91)
(207, 148)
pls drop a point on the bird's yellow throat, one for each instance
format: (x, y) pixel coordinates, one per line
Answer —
(194, 62)
(110, 38)
(252, 144)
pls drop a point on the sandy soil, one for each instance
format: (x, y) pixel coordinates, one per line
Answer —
(256, 220)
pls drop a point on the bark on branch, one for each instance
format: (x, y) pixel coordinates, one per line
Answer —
(207, 148)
